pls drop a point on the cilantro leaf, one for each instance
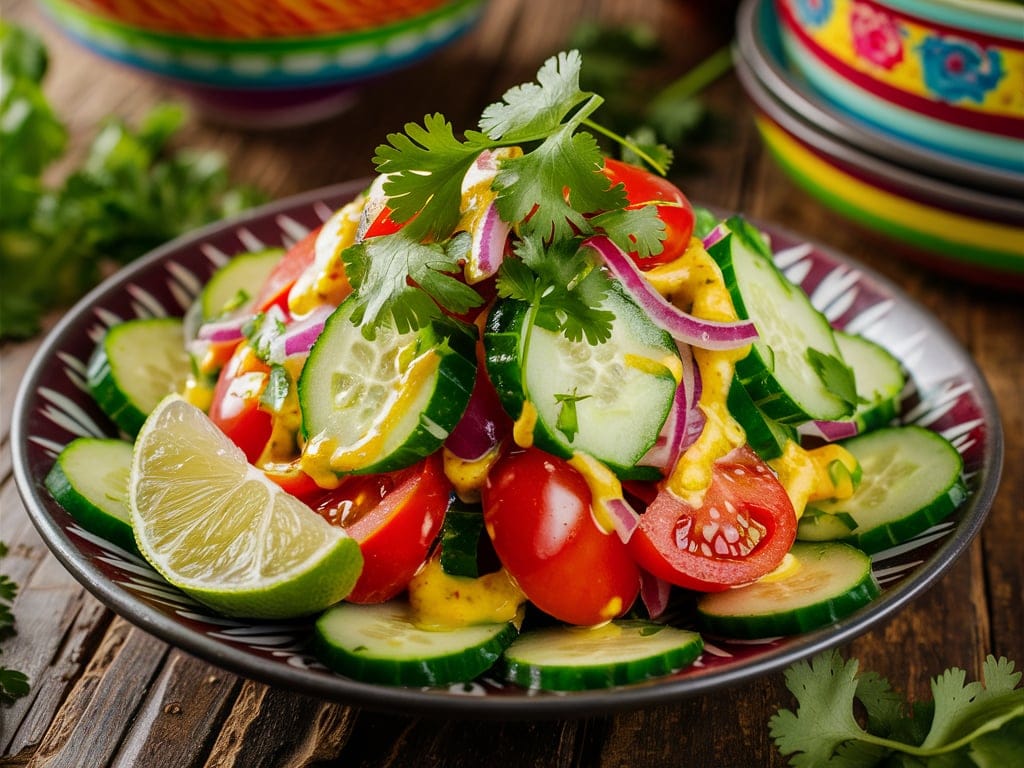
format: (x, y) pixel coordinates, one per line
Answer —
(425, 167)
(13, 684)
(633, 229)
(835, 375)
(531, 111)
(567, 422)
(972, 724)
(530, 187)
(398, 279)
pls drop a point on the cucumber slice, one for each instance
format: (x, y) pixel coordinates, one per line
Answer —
(384, 403)
(817, 585)
(880, 380)
(794, 372)
(608, 400)
(567, 658)
(135, 365)
(911, 479)
(460, 539)
(380, 644)
(90, 480)
(766, 436)
(234, 287)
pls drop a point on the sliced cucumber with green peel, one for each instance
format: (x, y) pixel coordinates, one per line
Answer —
(608, 400)
(135, 365)
(912, 479)
(383, 404)
(880, 380)
(766, 436)
(90, 480)
(460, 539)
(794, 372)
(568, 658)
(379, 643)
(235, 286)
(818, 585)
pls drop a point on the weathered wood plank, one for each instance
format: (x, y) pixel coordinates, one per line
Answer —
(97, 711)
(270, 727)
(181, 716)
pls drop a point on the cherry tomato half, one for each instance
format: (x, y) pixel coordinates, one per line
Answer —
(395, 517)
(537, 510)
(644, 188)
(741, 532)
(236, 400)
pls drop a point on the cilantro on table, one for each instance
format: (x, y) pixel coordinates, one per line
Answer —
(554, 194)
(131, 193)
(967, 725)
(13, 684)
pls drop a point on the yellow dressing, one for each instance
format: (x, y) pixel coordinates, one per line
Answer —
(468, 476)
(693, 282)
(807, 474)
(783, 570)
(604, 486)
(282, 446)
(325, 282)
(522, 430)
(442, 601)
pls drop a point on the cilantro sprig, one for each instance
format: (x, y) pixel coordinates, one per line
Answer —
(967, 725)
(554, 194)
(13, 684)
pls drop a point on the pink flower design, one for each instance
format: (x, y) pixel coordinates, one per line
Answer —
(876, 36)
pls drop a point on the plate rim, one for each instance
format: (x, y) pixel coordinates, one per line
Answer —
(441, 702)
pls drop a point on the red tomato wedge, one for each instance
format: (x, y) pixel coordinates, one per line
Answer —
(288, 270)
(744, 528)
(395, 517)
(236, 402)
(537, 511)
(644, 188)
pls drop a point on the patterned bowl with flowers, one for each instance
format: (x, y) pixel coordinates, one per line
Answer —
(946, 73)
(265, 63)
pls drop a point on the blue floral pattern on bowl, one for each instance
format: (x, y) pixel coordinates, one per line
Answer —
(956, 69)
(815, 13)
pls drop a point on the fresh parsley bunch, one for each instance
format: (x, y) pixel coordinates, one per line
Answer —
(131, 194)
(972, 725)
(553, 194)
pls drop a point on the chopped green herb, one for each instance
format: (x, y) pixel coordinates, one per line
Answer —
(568, 423)
(13, 684)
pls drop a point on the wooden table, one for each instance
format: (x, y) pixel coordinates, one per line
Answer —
(115, 696)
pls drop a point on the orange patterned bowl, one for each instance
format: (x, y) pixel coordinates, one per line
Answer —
(946, 73)
(265, 62)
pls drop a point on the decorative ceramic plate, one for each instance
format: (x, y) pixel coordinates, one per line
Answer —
(945, 393)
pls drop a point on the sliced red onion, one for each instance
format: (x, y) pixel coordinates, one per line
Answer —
(625, 520)
(229, 329)
(716, 234)
(829, 430)
(300, 335)
(483, 424)
(685, 420)
(654, 593)
(707, 334)
(488, 249)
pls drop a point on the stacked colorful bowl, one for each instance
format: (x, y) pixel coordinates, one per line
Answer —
(904, 115)
(265, 63)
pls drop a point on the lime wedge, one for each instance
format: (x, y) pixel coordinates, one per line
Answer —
(219, 530)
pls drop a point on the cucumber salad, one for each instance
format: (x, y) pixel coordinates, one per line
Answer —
(520, 410)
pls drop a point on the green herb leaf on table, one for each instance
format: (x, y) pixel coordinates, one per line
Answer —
(132, 192)
(973, 724)
(13, 684)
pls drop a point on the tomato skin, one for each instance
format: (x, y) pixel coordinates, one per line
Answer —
(643, 188)
(672, 543)
(296, 260)
(236, 399)
(537, 511)
(395, 517)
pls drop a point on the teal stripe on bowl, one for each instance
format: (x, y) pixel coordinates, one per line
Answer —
(991, 18)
